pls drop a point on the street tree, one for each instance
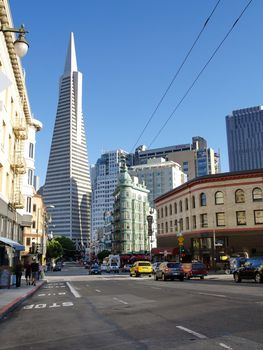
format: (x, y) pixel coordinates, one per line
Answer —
(69, 248)
(54, 250)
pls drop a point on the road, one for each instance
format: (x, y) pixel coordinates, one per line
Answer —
(77, 311)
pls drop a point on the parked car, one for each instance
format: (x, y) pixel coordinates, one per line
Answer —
(251, 269)
(58, 266)
(113, 267)
(141, 268)
(195, 269)
(155, 266)
(103, 268)
(95, 269)
(126, 268)
(170, 270)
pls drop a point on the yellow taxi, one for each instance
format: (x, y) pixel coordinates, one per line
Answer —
(141, 268)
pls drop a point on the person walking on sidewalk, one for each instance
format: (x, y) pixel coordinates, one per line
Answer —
(18, 272)
(34, 270)
(27, 273)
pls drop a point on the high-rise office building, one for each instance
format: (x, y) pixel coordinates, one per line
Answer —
(67, 190)
(104, 181)
(196, 159)
(245, 139)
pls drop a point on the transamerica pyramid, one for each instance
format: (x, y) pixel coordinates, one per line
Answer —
(67, 190)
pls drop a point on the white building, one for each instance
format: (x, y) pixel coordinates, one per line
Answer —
(67, 188)
(104, 181)
(159, 176)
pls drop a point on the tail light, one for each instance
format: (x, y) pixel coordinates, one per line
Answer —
(167, 269)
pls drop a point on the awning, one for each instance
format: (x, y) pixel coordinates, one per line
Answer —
(13, 244)
(165, 251)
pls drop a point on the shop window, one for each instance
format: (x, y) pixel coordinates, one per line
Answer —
(258, 217)
(203, 199)
(203, 220)
(240, 196)
(220, 219)
(219, 198)
(241, 217)
(257, 194)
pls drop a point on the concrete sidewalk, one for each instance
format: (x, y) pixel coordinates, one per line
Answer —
(12, 297)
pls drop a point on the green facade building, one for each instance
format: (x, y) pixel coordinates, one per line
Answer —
(131, 207)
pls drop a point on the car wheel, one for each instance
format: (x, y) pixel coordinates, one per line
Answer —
(137, 274)
(130, 275)
(155, 277)
(202, 277)
(258, 278)
(237, 278)
(163, 277)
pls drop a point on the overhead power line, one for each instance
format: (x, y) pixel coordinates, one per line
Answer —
(200, 73)
(175, 76)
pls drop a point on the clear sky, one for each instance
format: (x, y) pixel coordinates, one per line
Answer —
(128, 52)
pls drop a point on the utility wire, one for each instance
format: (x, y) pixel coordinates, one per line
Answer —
(175, 76)
(200, 73)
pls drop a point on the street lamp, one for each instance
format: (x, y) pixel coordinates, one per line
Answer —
(50, 235)
(20, 45)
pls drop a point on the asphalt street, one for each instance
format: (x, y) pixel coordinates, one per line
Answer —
(77, 311)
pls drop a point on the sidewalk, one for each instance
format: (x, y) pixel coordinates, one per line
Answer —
(12, 297)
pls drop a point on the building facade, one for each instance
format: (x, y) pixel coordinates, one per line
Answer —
(67, 188)
(17, 146)
(196, 159)
(216, 215)
(245, 139)
(131, 207)
(159, 176)
(104, 181)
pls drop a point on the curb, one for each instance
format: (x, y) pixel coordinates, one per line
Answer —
(15, 303)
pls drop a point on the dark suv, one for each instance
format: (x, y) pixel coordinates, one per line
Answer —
(252, 269)
(169, 270)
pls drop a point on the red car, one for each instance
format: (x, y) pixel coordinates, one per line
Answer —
(196, 269)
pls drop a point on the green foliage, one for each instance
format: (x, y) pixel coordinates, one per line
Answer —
(103, 254)
(69, 249)
(54, 250)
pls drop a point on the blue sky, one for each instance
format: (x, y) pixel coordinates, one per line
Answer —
(128, 52)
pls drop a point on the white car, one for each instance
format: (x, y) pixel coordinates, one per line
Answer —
(103, 268)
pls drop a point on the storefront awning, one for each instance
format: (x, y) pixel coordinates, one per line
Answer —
(13, 244)
(165, 251)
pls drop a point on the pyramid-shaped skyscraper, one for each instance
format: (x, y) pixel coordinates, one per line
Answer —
(67, 190)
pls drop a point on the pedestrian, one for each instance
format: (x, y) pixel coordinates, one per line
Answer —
(34, 270)
(27, 273)
(18, 272)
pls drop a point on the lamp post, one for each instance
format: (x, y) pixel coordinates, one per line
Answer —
(50, 234)
(20, 45)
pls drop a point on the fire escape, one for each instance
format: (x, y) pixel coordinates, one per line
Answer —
(18, 164)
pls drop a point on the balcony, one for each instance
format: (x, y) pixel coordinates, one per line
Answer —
(19, 166)
(18, 201)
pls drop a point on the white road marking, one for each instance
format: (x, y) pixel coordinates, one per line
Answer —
(198, 335)
(41, 295)
(54, 305)
(156, 288)
(213, 295)
(73, 291)
(120, 301)
(225, 346)
(97, 290)
(87, 285)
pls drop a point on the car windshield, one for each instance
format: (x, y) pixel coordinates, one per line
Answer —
(144, 264)
(114, 264)
(173, 265)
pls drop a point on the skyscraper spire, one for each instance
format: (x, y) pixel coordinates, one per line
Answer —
(67, 189)
(71, 60)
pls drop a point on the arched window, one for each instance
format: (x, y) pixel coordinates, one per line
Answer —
(219, 197)
(193, 202)
(257, 194)
(181, 224)
(166, 211)
(203, 199)
(186, 203)
(181, 206)
(240, 196)
(175, 208)
(158, 214)
(161, 212)
(170, 209)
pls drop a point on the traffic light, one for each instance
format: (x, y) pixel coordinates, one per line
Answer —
(182, 250)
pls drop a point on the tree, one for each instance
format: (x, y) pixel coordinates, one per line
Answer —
(54, 250)
(102, 255)
(69, 249)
